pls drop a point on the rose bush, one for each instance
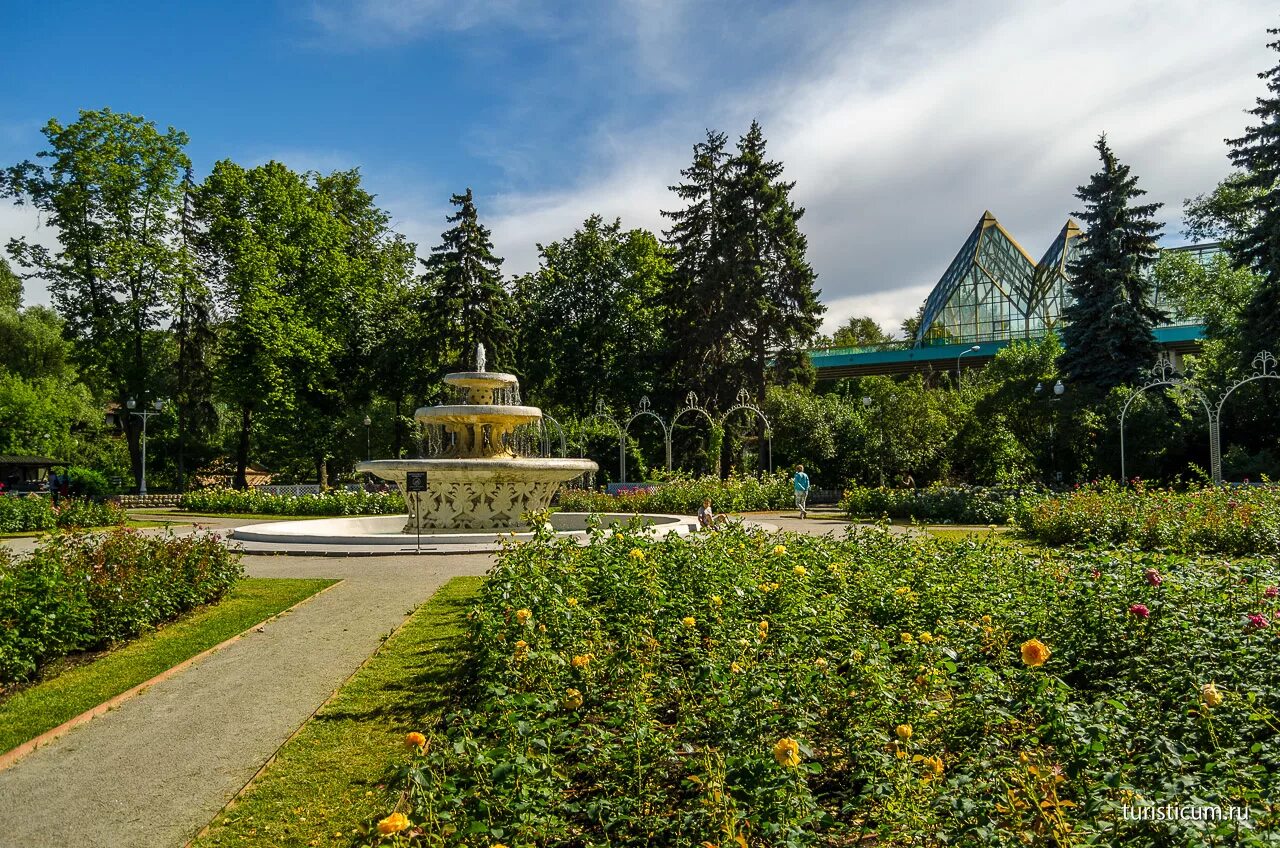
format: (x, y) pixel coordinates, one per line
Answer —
(80, 592)
(939, 504)
(1237, 521)
(25, 513)
(909, 690)
(332, 502)
(682, 495)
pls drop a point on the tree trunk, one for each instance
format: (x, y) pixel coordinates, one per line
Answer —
(322, 473)
(242, 449)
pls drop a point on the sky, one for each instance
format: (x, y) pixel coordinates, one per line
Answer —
(899, 122)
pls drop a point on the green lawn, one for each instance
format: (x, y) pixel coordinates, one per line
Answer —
(31, 711)
(140, 523)
(329, 780)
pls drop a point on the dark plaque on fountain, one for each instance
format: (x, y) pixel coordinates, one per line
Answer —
(415, 481)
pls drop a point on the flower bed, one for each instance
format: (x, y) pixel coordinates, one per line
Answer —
(26, 513)
(80, 592)
(1237, 521)
(681, 494)
(944, 504)
(332, 502)
(746, 689)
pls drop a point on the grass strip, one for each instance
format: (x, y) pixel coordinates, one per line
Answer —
(329, 779)
(30, 711)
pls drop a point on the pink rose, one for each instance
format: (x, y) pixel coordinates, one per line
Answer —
(1257, 620)
(1140, 610)
(1272, 591)
(1153, 577)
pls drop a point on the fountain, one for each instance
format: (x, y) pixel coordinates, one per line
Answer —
(479, 481)
(477, 488)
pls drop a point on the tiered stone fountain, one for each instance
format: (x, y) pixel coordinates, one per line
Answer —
(479, 482)
(476, 491)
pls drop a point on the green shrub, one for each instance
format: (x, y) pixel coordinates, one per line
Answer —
(942, 504)
(641, 692)
(85, 591)
(88, 483)
(1241, 520)
(26, 513)
(682, 494)
(332, 502)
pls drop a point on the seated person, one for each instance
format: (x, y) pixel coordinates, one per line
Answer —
(707, 517)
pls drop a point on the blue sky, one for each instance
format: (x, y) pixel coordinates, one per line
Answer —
(900, 122)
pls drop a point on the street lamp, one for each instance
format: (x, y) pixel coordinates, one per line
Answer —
(973, 349)
(158, 405)
(368, 451)
(1058, 391)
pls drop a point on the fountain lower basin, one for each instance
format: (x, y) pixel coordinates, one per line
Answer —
(477, 494)
(382, 534)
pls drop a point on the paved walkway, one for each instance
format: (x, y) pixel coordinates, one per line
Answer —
(160, 767)
(157, 769)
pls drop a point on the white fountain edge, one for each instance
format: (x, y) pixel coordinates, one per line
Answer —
(330, 535)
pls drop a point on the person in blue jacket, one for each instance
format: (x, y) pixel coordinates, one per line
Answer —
(801, 483)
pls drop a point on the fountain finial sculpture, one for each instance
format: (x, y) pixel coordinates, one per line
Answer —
(478, 481)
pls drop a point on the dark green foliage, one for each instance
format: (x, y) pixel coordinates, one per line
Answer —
(591, 321)
(742, 288)
(77, 592)
(1108, 333)
(1257, 152)
(111, 190)
(471, 305)
(939, 504)
(333, 502)
(858, 331)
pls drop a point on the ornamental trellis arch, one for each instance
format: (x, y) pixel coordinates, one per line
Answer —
(642, 412)
(1163, 375)
(744, 402)
(1264, 368)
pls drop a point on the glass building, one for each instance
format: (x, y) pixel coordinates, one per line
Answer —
(994, 291)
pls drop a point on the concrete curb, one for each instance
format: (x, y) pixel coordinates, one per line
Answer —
(12, 756)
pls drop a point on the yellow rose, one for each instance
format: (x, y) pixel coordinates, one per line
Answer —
(572, 699)
(689, 622)
(581, 660)
(787, 753)
(522, 650)
(415, 740)
(932, 767)
(393, 823)
(903, 731)
(926, 637)
(523, 616)
(735, 668)
(717, 601)
(779, 550)
(908, 638)
(799, 571)
(821, 663)
(573, 602)
(636, 554)
(1210, 695)
(1035, 653)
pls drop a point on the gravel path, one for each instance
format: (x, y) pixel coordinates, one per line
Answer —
(157, 769)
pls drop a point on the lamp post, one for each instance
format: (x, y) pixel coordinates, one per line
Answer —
(368, 449)
(158, 406)
(1058, 391)
(973, 349)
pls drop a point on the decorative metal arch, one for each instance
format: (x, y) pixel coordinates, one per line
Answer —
(1164, 374)
(642, 412)
(690, 405)
(603, 414)
(1264, 368)
(546, 435)
(744, 401)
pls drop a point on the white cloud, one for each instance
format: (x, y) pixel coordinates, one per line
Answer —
(900, 127)
(24, 222)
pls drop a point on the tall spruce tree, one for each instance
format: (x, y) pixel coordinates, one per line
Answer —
(1108, 333)
(195, 337)
(1258, 245)
(772, 279)
(470, 301)
(699, 302)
